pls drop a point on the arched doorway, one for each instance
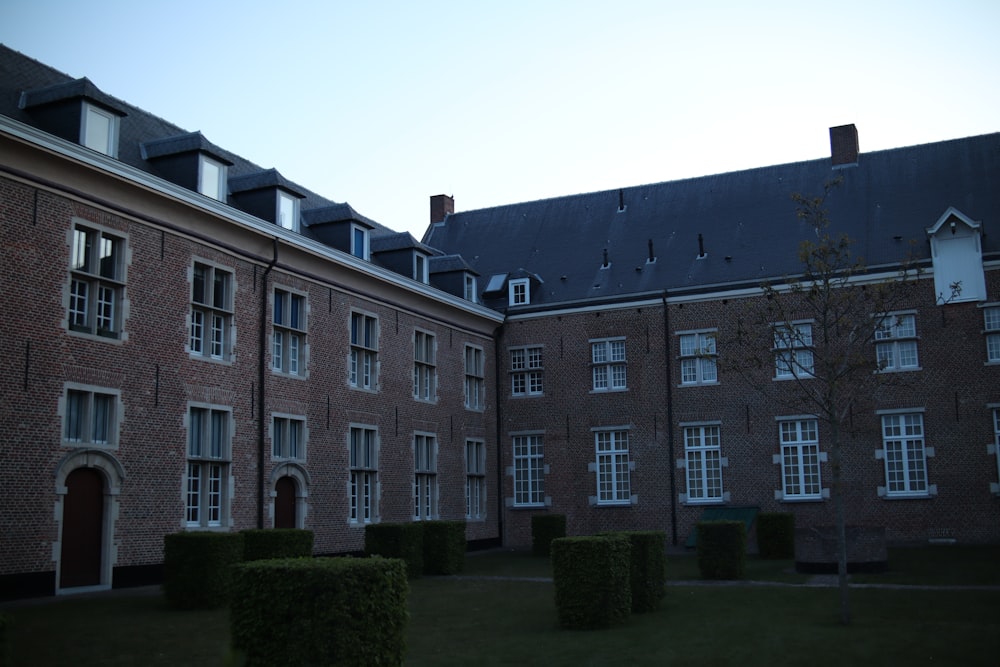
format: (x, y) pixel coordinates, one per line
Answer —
(284, 503)
(82, 529)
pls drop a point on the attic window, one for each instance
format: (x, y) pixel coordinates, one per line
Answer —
(99, 130)
(359, 242)
(288, 211)
(518, 292)
(496, 282)
(470, 288)
(211, 178)
(420, 272)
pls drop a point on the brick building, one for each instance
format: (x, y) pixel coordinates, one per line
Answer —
(198, 343)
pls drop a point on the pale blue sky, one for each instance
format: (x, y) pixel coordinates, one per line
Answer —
(382, 104)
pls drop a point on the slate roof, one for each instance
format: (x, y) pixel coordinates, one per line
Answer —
(182, 143)
(747, 220)
(449, 264)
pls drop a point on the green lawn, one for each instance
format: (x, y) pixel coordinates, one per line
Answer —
(463, 621)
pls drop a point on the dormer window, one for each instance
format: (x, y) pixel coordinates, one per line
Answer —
(288, 211)
(99, 130)
(470, 287)
(211, 178)
(957, 253)
(420, 273)
(359, 242)
(519, 292)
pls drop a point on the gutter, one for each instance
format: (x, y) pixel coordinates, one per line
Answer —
(261, 358)
(670, 421)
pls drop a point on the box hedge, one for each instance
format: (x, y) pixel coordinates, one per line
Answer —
(319, 611)
(397, 540)
(591, 576)
(776, 535)
(263, 544)
(647, 568)
(544, 529)
(197, 568)
(722, 547)
(444, 547)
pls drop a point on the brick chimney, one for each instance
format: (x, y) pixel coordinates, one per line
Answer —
(844, 146)
(441, 205)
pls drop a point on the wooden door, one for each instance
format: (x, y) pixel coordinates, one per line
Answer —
(82, 529)
(284, 503)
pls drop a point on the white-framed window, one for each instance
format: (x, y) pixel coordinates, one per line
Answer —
(703, 463)
(793, 356)
(424, 366)
(363, 452)
(526, 371)
(360, 247)
(420, 268)
(991, 329)
(90, 417)
(529, 471)
(287, 213)
(698, 358)
(475, 378)
(97, 282)
(425, 482)
(905, 454)
(364, 352)
(613, 468)
(212, 178)
(288, 438)
(99, 130)
(896, 342)
(800, 459)
(471, 290)
(208, 464)
(519, 292)
(211, 312)
(475, 479)
(608, 369)
(289, 338)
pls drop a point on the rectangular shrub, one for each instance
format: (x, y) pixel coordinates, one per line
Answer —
(722, 547)
(397, 540)
(776, 535)
(647, 568)
(544, 529)
(591, 576)
(444, 547)
(197, 568)
(263, 544)
(319, 611)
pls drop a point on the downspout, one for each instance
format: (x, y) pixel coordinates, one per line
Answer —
(670, 421)
(497, 358)
(261, 378)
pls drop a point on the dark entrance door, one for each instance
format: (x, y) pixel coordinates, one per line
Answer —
(83, 525)
(284, 503)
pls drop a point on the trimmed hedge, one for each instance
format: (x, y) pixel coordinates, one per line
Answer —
(263, 544)
(722, 547)
(319, 611)
(776, 535)
(544, 529)
(397, 540)
(647, 568)
(197, 568)
(444, 547)
(591, 576)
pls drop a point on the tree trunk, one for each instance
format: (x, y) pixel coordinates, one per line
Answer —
(841, 514)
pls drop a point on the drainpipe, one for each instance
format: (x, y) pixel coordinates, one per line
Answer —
(670, 421)
(261, 378)
(497, 358)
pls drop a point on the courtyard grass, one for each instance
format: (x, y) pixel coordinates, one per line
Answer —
(471, 620)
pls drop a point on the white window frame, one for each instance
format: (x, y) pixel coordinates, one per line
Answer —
(425, 478)
(608, 364)
(288, 339)
(424, 365)
(214, 188)
(363, 485)
(208, 466)
(363, 360)
(703, 464)
(896, 342)
(793, 355)
(102, 143)
(289, 436)
(360, 250)
(475, 378)
(286, 212)
(698, 357)
(800, 458)
(526, 370)
(529, 469)
(612, 466)
(90, 416)
(905, 455)
(470, 291)
(991, 331)
(519, 291)
(96, 288)
(421, 268)
(211, 319)
(475, 479)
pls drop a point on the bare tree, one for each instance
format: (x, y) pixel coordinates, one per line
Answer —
(819, 332)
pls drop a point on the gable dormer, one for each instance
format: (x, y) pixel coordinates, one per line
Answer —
(191, 161)
(402, 254)
(519, 287)
(269, 196)
(452, 274)
(957, 256)
(341, 227)
(77, 111)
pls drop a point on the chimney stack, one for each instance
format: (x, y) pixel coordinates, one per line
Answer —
(441, 206)
(844, 146)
